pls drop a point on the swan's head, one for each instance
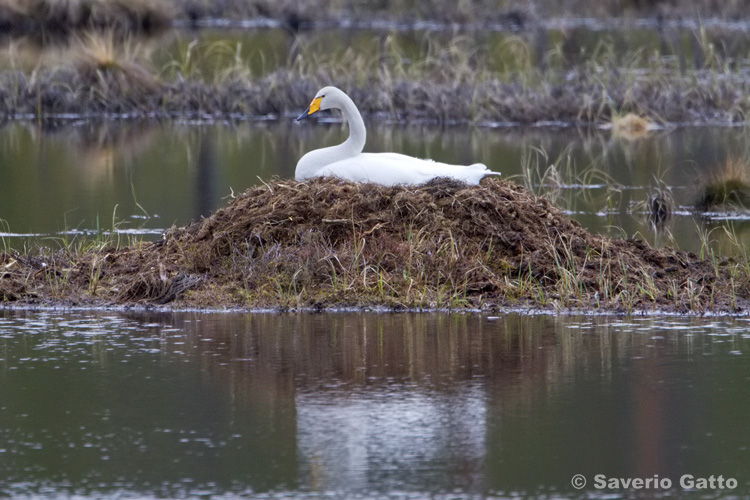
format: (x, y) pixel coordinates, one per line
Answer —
(326, 98)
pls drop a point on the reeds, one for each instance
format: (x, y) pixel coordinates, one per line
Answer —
(726, 187)
(110, 62)
(659, 206)
(455, 81)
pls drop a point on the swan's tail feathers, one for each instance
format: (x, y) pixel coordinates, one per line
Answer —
(476, 172)
(481, 167)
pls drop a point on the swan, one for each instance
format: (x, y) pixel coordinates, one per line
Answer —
(347, 161)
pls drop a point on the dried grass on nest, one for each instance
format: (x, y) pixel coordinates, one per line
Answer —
(286, 212)
(441, 236)
(393, 224)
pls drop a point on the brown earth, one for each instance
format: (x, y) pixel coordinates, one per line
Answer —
(330, 243)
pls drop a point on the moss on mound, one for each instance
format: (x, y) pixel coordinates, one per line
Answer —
(328, 243)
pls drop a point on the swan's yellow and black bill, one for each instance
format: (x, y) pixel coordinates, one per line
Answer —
(314, 107)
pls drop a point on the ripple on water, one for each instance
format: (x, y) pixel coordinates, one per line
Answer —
(351, 405)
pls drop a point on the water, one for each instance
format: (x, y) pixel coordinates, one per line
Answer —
(141, 178)
(189, 405)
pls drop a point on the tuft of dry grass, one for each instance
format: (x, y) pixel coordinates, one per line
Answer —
(725, 187)
(631, 126)
(98, 56)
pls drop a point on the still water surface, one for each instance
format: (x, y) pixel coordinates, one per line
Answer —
(144, 177)
(189, 405)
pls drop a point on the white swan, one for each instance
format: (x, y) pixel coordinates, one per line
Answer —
(347, 161)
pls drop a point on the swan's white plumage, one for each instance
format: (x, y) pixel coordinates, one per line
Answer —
(347, 161)
(390, 169)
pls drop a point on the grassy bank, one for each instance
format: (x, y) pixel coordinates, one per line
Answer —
(328, 243)
(111, 89)
(454, 81)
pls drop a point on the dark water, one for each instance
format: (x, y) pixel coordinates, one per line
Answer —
(89, 177)
(125, 405)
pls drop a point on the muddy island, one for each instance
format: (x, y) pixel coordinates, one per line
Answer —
(328, 244)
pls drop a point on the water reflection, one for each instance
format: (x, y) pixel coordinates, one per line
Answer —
(365, 404)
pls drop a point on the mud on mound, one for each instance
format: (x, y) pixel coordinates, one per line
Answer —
(444, 244)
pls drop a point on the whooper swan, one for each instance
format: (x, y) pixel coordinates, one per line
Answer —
(347, 161)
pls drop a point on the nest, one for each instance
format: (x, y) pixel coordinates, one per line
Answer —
(328, 242)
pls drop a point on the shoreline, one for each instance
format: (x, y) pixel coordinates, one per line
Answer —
(105, 73)
(491, 312)
(117, 94)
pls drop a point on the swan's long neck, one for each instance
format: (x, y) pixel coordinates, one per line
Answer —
(357, 134)
(311, 163)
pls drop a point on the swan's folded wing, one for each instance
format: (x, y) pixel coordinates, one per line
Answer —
(392, 168)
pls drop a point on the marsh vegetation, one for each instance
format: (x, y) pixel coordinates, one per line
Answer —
(481, 64)
(686, 75)
(328, 243)
(147, 172)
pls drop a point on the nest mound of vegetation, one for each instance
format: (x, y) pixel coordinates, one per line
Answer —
(330, 243)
